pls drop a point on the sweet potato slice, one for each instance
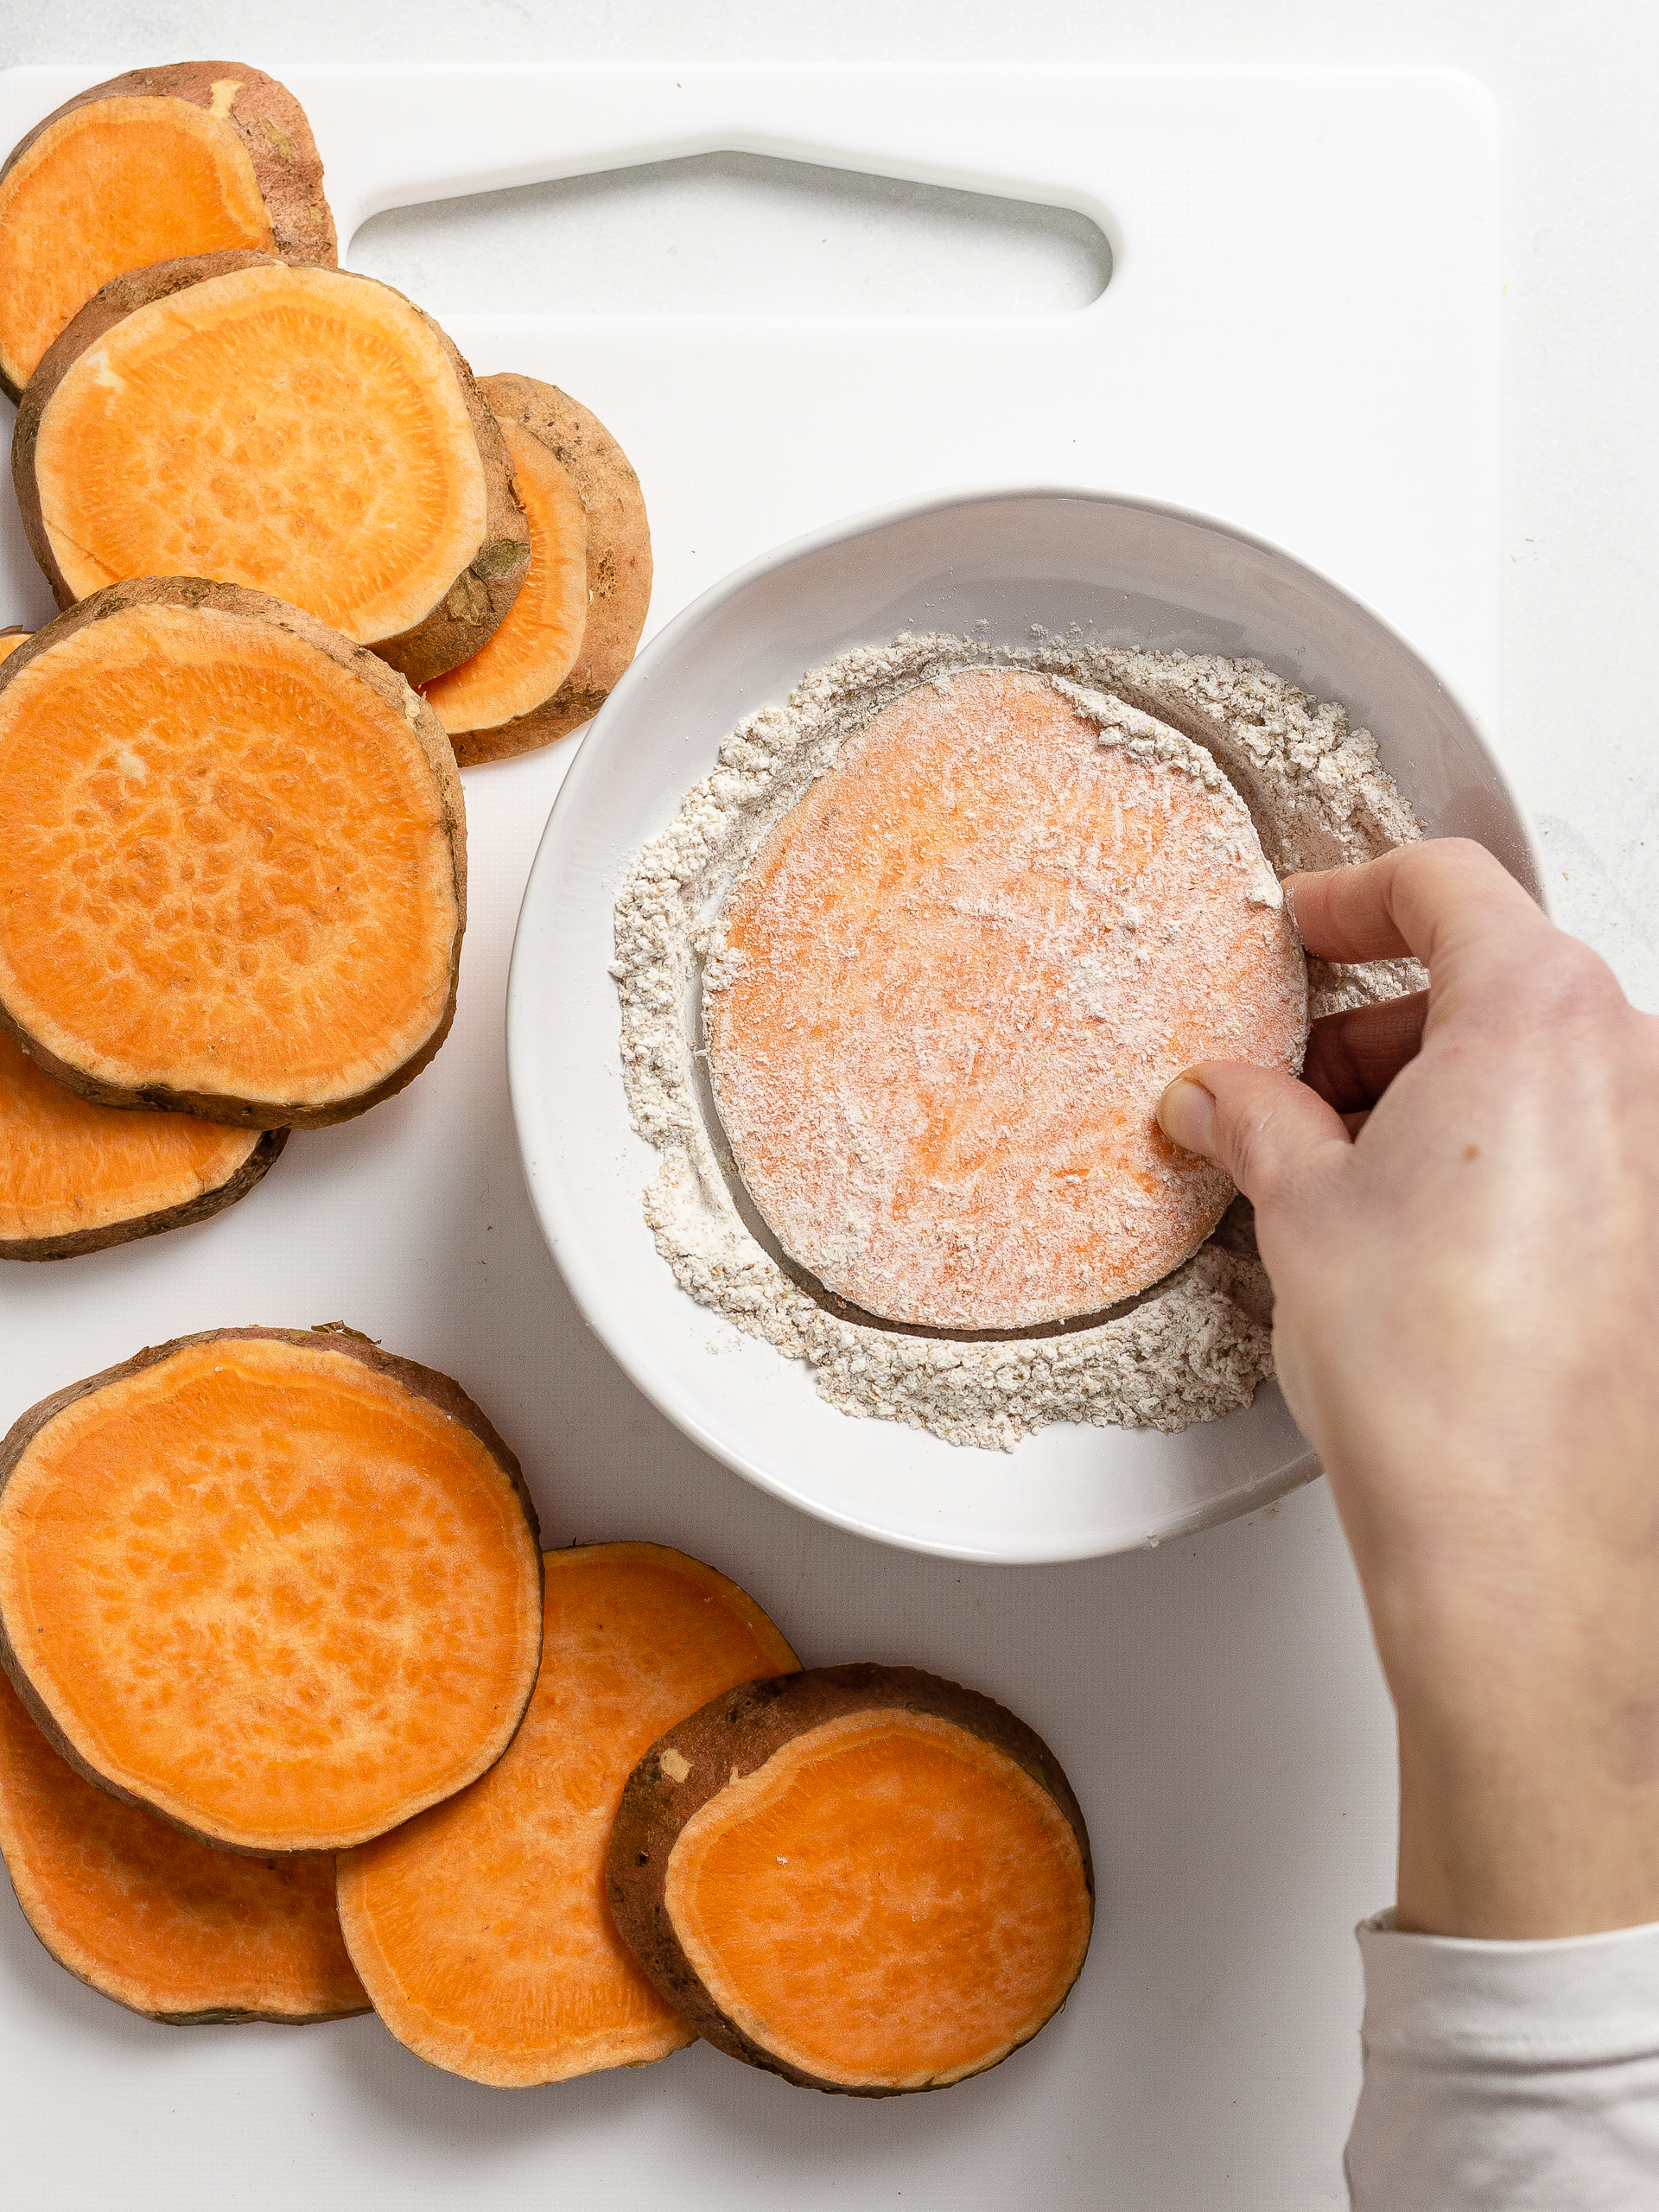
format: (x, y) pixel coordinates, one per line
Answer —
(161, 1923)
(188, 158)
(12, 639)
(275, 1585)
(864, 1878)
(482, 1930)
(529, 656)
(78, 1178)
(232, 859)
(960, 971)
(618, 556)
(297, 429)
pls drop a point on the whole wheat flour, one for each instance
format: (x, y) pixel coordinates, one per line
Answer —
(1198, 1343)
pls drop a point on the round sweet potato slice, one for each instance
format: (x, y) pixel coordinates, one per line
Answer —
(12, 639)
(275, 1585)
(188, 158)
(617, 560)
(161, 1923)
(954, 981)
(297, 429)
(482, 1930)
(78, 1178)
(864, 1878)
(232, 859)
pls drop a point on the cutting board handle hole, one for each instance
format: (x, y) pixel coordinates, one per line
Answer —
(734, 234)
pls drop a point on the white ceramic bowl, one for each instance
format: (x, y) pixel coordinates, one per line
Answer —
(1140, 575)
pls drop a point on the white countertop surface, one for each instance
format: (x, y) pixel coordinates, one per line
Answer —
(1226, 1682)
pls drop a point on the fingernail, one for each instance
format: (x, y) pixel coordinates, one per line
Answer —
(1186, 1115)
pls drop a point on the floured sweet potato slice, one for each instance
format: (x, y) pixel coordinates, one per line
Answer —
(161, 1923)
(275, 1585)
(232, 859)
(951, 986)
(529, 656)
(185, 159)
(297, 429)
(482, 1930)
(863, 1878)
(78, 1178)
(618, 564)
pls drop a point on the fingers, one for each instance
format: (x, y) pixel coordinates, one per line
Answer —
(1426, 899)
(1353, 1057)
(1264, 1127)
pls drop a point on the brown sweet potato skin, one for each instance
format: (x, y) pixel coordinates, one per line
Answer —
(479, 596)
(735, 1734)
(253, 1169)
(618, 564)
(270, 122)
(441, 1390)
(370, 669)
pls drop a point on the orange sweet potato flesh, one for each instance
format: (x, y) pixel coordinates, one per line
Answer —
(482, 1930)
(299, 430)
(232, 859)
(78, 1178)
(184, 159)
(277, 1585)
(968, 961)
(864, 1878)
(161, 1923)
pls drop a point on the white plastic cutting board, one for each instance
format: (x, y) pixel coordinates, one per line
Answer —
(1300, 336)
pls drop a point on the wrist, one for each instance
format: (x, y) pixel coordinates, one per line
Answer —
(1522, 1836)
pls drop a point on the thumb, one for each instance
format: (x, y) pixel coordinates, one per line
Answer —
(1261, 1124)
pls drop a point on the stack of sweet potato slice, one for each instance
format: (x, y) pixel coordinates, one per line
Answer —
(573, 628)
(284, 1592)
(271, 498)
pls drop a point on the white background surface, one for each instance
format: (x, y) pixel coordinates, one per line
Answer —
(1226, 1684)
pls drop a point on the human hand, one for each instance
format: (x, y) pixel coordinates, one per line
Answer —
(1467, 1328)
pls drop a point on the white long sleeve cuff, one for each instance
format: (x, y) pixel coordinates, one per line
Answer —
(1508, 2077)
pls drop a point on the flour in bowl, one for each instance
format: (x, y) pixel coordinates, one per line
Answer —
(1194, 1346)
